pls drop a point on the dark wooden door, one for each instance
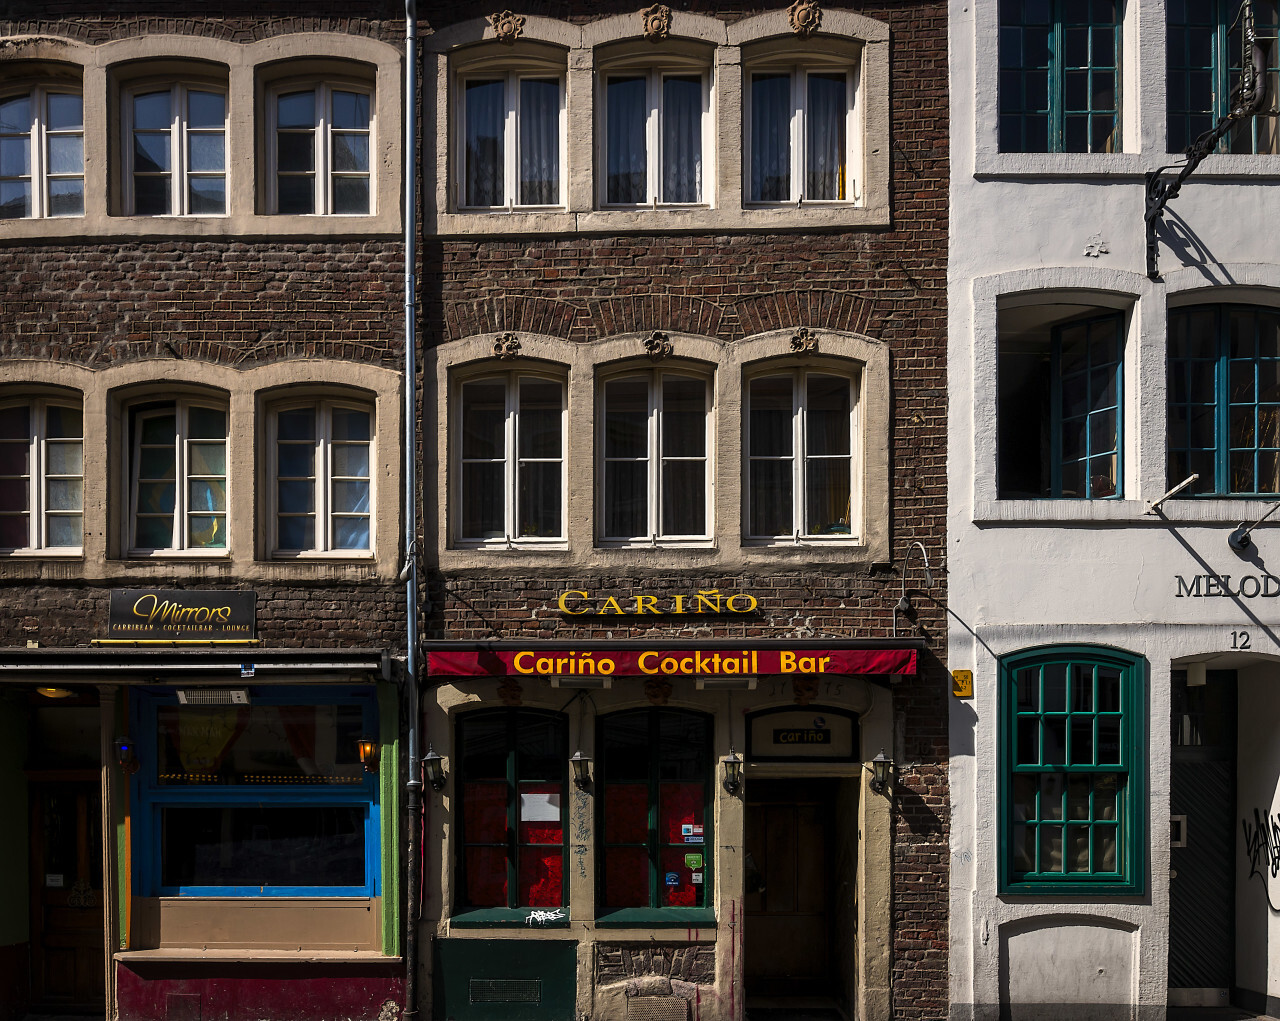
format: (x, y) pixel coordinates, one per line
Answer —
(67, 946)
(788, 897)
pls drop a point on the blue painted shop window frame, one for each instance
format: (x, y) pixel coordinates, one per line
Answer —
(150, 798)
(1055, 62)
(1128, 878)
(1227, 360)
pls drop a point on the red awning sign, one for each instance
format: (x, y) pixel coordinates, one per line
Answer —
(640, 662)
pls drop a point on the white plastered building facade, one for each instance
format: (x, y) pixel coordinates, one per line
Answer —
(1079, 575)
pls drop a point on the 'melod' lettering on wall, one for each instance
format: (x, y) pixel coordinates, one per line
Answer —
(1246, 586)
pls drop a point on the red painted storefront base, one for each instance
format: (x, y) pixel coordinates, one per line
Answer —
(170, 991)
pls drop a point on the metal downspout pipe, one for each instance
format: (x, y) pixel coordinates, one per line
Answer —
(413, 782)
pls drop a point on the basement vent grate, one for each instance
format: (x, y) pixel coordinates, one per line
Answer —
(657, 1008)
(213, 696)
(506, 990)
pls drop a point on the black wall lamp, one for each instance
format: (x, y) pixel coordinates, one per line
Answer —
(581, 770)
(126, 758)
(1239, 539)
(733, 772)
(881, 766)
(368, 749)
(433, 766)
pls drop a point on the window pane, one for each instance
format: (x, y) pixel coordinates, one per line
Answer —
(626, 813)
(825, 121)
(349, 424)
(682, 746)
(828, 498)
(539, 141)
(207, 423)
(205, 531)
(296, 110)
(770, 498)
(484, 746)
(66, 197)
(351, 460)
(150, 152)
(295, 151)
(65, 494)
(539, 423)
(15, 156)
(485, 812)
(64, 458)
(351, 497)
(15, 115)
(541, 882)
(539, 812)
(540, 500)
(296, 533)
(295, 460)
(15, 199)
(206, 109)
(66, 111)
(206, 196)
(626, 746)
(681, 808)
(151, 196)
(770, 137)
(151, 111)
(684, 417)
(351, 110)
(257, 845)
(351, 533)
(486, 870)
(771, 416)
(295, 195)
(154, 532)
(684, 485)
(483, 516)
(13, 532)
(296, 425)
(66, 154)
(625, 144)
(484, 413)
(626, 418)
(683, 892)
(63, 530)
(682, 138)
(486, 106)
(626, 877)
(206, 152)
(351, 196)
(350, 152)
(827, 416)
(626, 499)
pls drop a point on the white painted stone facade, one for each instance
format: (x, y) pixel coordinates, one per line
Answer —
(1031, 573)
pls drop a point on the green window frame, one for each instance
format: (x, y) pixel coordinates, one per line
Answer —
(513, 764)
(1088, 423)
(1224, 399)
(1203, 41)
(1072, 779)
(1060, 75)
(650, 762)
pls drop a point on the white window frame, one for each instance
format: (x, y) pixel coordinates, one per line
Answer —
(323, 128)
(799, 73)
(181, 514)
(38, 136)
(323, 479)
(654, 459)
(654, 77)
(38, 475)
(511, 138)
(179, 172)
(799, 456)
(511, 462)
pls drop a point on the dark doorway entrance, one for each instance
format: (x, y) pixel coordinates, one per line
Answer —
(1202, 806)
(789, 907)
(67, 948)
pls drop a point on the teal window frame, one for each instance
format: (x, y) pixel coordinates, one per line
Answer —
(1055, 66)
(467, 915)
(1066, 801)
(1204, 65)
(654, 914)
(1217, 370)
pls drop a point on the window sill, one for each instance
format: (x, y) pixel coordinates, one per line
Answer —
(697, 542)
(177, 554)
(1206, 510)
(57, 553)
(1063, 164)
(502, 918)
(184, 955)
(657, 918)
(1091, 889)
(326, 556)
(230, 225)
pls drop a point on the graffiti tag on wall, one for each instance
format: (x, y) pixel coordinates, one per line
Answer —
(1262, 847)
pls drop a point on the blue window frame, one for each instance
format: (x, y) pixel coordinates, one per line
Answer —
(1072, 786)
(267, 799)
(1224, 399)
(1060, 75)
(1203, 38)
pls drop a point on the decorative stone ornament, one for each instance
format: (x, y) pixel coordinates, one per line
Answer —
(658, 345)
(658, 690)
(806, 17)
(804, 341)
(507, 26)
(657, 22)
(507, 346)
(510, 692)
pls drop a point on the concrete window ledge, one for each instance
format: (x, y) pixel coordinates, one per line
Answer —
(183, 954)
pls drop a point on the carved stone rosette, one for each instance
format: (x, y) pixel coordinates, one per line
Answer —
(657, 690)
(507, 26)
(806, 17)
(507, 346)
(510, 692)
(657, 22)
(658, 345)
(804, 341)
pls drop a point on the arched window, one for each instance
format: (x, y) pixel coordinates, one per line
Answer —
(654, 802)
(513, 766)
(41, 474)
(42, 152)
(1072, 749)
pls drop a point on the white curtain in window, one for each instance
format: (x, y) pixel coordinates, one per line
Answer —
(825, 142)
(627, 156)
(682, 138)
(539, 141)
